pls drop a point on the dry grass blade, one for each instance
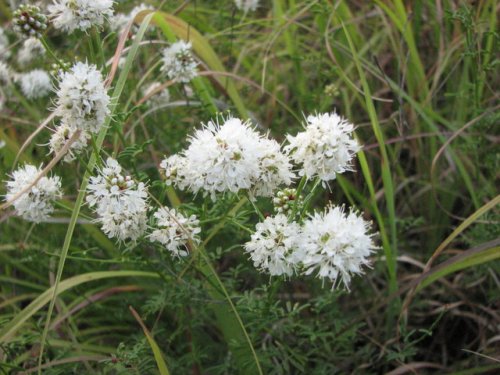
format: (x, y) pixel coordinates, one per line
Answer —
(32, 136)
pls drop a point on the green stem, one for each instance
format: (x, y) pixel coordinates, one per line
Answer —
(52, 54)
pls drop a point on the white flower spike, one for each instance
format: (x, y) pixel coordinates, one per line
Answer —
(325, 148)
(37, 203)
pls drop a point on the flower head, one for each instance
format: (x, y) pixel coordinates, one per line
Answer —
(35, 84)
(229, 158)
(82, 100)
(273, 246)
(61, 135)
(336, 244)
(5, 74)
(36, 204)
(175, 230)
(179, 63)
(32, 48)
(119, 201)
(285, 200)
(325, 148)
(275, 168)
(29, 21)
(246, 5)
(71, 15)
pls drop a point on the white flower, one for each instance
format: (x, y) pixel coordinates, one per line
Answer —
(273, 246)
(36, 204)
(336, 244)
(325, 148)
(275, 168)
(158, 98)
(82, 100)
(223, 158)
(35, 84)
(179, 63)
(5, 74)
(119, 201)
(32, 48)
(229, 158)
(246, 5)
(174, 168)
(71, 15)
(4, 45)
(174, 231)
(61, 135)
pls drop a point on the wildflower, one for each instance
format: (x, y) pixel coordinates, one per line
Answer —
(71, 15)
(175, 230)
(223, 158)
(174, 169)
(285, 200)
(275, 168)
(35, 84)
(82, 99)
(273, 246)
(4, 45)
(32, 48)
(179, 63)
(336, 244)
(246, 5)
(61, 136)
(229, 158)
(120, 202)
(36, 204)
(5, 74)
(325, 148)
(159, 98)
(29, 21)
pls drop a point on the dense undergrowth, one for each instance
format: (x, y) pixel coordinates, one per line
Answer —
(418, 79)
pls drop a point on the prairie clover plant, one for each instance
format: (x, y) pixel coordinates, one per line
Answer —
(224, 160)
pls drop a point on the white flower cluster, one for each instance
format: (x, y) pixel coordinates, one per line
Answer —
(332, 243)
(273, 247)
(174, 231)
(61, 135)
(71, 15)
(82, 100)
(5, 74)
(83, 104)
(37, 203)
(229, 158)
(179, 63)
(325, 148)
(246, 5)
(35, 84)
(32, 48)
(120, 202)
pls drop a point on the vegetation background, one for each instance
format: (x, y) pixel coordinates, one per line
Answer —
(418, 78)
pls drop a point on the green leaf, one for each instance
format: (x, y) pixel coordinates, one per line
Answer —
(7, 332)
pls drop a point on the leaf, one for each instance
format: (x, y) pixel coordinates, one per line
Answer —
(10, 328)
(160, 362)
